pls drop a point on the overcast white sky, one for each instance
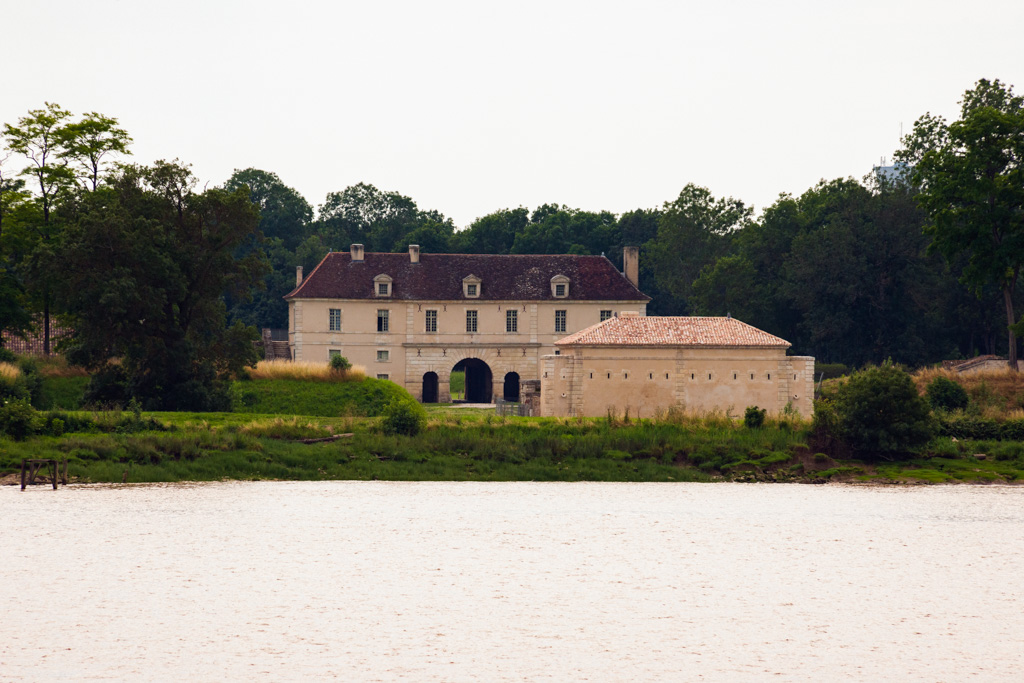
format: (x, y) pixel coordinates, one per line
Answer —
(469, 107)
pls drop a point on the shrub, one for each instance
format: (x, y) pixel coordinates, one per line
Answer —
(18, 419)
(7, 356)
(880, 413)
(945, 394)
(11, 384)
(753, 417)
(340, 364)
(403, 416)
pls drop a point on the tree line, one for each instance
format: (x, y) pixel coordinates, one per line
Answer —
(915, 268)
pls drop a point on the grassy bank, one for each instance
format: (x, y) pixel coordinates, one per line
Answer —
(459, 446)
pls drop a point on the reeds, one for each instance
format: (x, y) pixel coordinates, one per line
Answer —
(305, 370)
(9, 372)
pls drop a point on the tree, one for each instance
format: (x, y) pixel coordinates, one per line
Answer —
(694, 231)
(284, 213)
(970, 180)
(89, 141)
(881, 414)
(146, 262)
(41, 137)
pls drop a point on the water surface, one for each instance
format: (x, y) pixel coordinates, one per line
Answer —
(437, 581)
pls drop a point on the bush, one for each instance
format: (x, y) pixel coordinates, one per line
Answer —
(753, 417)
(880, 413)
(18, 419)
(340, 364)
(403, 416)
(7, 356)
(945, 394)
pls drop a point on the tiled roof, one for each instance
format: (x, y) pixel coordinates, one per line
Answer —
(627, 330)
(439, 277)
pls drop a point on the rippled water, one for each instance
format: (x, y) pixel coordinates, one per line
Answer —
(389, 581)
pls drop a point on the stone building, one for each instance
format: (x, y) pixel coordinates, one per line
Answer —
(415, 318)
(647, 364)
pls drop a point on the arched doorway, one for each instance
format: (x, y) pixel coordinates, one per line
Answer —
(429, 388)
(511, 392)
(478, 380)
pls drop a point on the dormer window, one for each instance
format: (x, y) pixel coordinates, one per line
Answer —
(560, 286)
(471, 287)
(382, 285)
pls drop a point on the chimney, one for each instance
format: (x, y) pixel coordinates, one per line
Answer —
(357, 252)
(298, 275)
(631, 265)
(414, 253)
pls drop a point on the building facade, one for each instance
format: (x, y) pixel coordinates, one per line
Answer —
(415, 318)
(645, 365)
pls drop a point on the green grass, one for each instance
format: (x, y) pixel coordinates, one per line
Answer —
(63, 393)
(288, 397)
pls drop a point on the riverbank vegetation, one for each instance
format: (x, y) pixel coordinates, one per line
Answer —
(370, 438)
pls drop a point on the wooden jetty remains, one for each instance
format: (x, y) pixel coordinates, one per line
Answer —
(30, 468)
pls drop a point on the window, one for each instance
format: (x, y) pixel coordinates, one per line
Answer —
(431, 321)
(335, 318)
(560, 321)
(471, 322)
(333, 353)
(383, 376)
(382, 285)
(511, 321)
(605, 315)
(560, 286)
(383, 355)
(471, 287)
(382, 320)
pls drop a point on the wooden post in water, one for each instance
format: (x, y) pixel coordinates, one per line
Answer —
(55, 480)
(22, 474)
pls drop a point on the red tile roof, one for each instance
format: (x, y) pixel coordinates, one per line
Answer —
(439, 277)
(627, 330)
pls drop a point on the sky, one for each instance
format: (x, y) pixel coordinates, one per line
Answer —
(471, 107)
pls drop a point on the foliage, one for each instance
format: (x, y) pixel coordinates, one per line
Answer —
(339, 364)
(403, 416)
(970, 180)
(945, 394)
(305, 370)
(18, 419)
(753, 417)
(880, 413)
(146, 262)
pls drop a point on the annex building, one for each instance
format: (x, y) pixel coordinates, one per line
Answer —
(644, 365)
(415, 318)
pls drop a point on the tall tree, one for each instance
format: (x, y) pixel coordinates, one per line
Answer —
(41, 137)
(284, 213)
(694, 230)
(970, 178)
(88, 142)
(146, 262)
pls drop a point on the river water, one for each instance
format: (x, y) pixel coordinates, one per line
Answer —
(386, 581)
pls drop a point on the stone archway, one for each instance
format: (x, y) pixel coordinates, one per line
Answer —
(511, 388)
(478, 380)
(429, 388)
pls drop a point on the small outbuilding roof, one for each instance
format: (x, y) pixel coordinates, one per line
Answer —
(631, 329)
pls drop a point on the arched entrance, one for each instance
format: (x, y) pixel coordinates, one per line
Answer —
(478, 380)
(429, 388)
(511, 392)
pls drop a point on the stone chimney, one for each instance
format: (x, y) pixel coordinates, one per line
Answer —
(357, 252)
(298, 275)
(631, 265)
(414, 253)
